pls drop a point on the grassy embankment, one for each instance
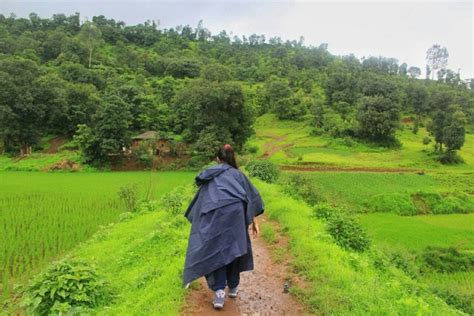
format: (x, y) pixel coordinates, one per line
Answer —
(292, 143)
(142, 258)
(44, 215)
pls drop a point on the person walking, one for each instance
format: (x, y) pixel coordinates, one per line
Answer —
(224, 207)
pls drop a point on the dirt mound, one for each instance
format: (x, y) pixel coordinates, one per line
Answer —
(65, 165)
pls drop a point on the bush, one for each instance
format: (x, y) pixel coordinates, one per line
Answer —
(325, 211)
(251, 149)
(392, 202)
(299, 185)
(445, 203)
(129, 195)
(447, 260)
(463, 302)
(264, 170)
(67, 286)
(176, 200)
(426, 140)
(450, 158)
(347, 233)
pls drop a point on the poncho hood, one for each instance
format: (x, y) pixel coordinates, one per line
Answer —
(211, 173)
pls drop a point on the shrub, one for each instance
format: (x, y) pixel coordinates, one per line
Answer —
(251, 149)
(325, 211)
(463, 302)
(67, 286)
(447, 260)
(426, 140)
(176, 200)
(299, 185)
(264, 170)
(392, 202)
(129, 195)
(347, 233)
(446, 203)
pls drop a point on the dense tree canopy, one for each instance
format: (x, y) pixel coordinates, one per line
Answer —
(207, 87)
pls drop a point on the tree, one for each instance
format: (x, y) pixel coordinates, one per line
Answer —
(417, 99)
(378, 111)
(205, 109)
(414, 72)
(436, 58)
(109, 133)
(454, 132)
(91, 37)
(341, 85)
(21, 116)
(448, 127)
(216, 73)
(402, 70)
(378, 119)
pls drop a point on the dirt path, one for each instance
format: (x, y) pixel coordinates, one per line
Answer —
(274, 145)
(261, 291)
(54, 145)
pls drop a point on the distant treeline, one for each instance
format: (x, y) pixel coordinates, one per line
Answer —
(101, 81)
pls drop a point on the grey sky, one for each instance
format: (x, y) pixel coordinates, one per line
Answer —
(403, 30)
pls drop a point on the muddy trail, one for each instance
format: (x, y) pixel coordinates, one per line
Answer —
(273, 146)
(261, 291)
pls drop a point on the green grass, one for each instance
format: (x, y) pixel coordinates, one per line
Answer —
(143, 260)
(39, 161)
(355, 189)
(342, 282)
(297, 145)
(415, 233)
(44, 215)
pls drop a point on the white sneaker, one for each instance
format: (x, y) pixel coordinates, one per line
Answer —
(219, 299)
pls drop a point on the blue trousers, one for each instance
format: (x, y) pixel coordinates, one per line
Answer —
(228, 274)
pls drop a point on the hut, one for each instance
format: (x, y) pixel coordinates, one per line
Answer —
(162, 146)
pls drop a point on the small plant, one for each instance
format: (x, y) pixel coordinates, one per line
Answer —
(176, 200)
(251, 149)
(347, 233)
(264, 170)
(67, 286)
(129, 195)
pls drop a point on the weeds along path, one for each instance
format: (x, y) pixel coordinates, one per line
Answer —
(261, 290)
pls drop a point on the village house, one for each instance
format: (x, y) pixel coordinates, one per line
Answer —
(162, 145)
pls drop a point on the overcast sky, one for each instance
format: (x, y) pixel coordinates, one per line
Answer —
(403, 30)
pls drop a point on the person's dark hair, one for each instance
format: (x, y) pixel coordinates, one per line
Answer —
(226, 154)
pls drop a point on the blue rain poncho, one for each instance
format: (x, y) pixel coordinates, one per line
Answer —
(220, 213)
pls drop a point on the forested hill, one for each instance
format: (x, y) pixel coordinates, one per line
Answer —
(103, 81)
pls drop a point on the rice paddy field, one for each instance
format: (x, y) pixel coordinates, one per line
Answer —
(44, 215)
(291, 143)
